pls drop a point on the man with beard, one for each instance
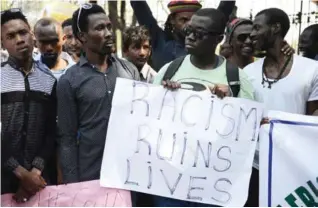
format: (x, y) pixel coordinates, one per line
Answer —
(168, 44)
(282, 82)
(137, 50)
(202, 69)
(308, 42)
(85, 95)
(28, 112)
(241, 52)
(71, 45)
(49, 40)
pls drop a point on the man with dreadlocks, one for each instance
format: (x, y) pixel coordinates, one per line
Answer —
(168, 44)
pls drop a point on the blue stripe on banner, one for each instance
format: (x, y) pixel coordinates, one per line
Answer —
(270, 152)
(270, 157)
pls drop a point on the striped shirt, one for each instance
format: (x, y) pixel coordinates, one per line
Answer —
(28, 117)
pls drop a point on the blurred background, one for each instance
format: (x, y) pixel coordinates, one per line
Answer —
(302, 13)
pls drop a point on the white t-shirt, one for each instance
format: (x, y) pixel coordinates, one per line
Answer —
(289, 94)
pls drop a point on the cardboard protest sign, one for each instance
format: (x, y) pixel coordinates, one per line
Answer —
(180, 144)
(85, 194)
(289, 161)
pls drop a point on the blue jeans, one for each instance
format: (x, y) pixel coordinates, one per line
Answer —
(168, 202)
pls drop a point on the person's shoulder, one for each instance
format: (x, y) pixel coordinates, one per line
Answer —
(126, 64)
(126, 69)
(43, 69)
(71, 72)
(305, 62)
(254, 67)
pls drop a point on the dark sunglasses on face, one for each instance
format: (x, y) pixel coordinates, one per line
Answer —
(242, 37)
(11, 10)
(199, 34)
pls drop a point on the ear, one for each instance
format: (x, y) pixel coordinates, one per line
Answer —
(276, 28)
(150, 49)
(82, 37)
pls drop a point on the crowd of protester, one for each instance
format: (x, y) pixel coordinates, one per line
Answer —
(58, 81)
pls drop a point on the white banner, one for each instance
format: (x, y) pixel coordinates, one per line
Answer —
(289, 161)
(180, 144)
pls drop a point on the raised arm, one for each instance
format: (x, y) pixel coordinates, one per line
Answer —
(226, 7)
(144, 17)
(67, 127)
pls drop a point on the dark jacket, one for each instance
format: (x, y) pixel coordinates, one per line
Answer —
(165, 50)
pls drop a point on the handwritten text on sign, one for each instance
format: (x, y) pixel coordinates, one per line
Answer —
(85, 194)
(180, 144)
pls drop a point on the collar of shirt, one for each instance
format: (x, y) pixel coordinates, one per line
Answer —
(83, 60)
(14, 65)
(64, 55)
(147, 71)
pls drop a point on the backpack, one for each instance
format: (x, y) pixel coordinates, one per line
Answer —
(232, 74)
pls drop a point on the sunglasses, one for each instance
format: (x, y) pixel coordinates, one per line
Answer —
(242, 37)
(199, 34)
(11, 10)
(83, 6)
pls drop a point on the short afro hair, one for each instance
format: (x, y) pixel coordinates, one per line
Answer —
(83, 19)
(275, 15)
(13, 14)
(135, 35)
(67, 22)
(217, 16)
(314, 31)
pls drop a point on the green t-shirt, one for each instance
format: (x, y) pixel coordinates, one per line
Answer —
(196, 79)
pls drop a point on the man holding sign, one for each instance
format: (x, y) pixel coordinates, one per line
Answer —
(180, 144)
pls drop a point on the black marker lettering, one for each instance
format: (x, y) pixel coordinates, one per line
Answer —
(210, 116)
(246, 117)
(223, 158)
(163, 104)
(174, 187)
(188, 124)
(142, 139)
(150, 175)
(142, 99)
(128, 175)
(194, 188)
(231, 120)
(184, 147)
(206, 159)
(159, 146)
(222, 191)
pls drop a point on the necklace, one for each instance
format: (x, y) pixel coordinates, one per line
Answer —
(269, 82)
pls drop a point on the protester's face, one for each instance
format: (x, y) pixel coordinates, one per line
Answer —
(241, 41)
(262, 36)
(72, 45)
(99, 37)
(17, 39)
(180, 20)
(49, 41)
(200, 37)
(138, 54)
(307, 46)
